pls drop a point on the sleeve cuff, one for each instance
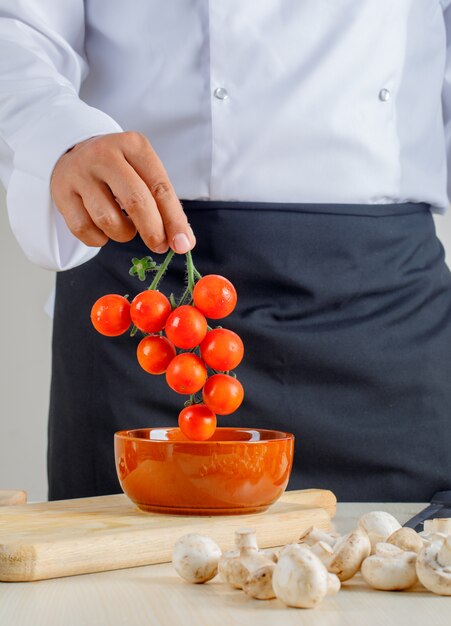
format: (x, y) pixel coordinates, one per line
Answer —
(35, 221)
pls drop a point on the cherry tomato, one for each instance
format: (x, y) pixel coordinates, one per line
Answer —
(110, 315)
(223, 394)
(222, 349)
(186, 373)
(149, 311)
(215, 296)
(155, 353)
(197, 422)
(186, 326)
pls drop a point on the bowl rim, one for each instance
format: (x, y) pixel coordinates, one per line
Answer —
(127, 434)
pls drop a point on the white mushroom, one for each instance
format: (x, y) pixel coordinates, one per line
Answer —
(333, 584)
(300, 579)
(322, 550)
(271, 553)
(312, 535)
(406, 539)
(258, 583)
(438, 525)
(429, 537)
(436, 529)
(379, 525)
(390, 568)
(195, 558)
(247, 567)
(434, 566)
(348, 554)
(224, 566)
(319, 542)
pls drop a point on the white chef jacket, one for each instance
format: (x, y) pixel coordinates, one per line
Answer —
(316, 101)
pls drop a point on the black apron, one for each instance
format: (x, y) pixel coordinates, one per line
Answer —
(345, 314)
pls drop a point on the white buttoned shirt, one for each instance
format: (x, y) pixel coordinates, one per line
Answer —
(309, 101)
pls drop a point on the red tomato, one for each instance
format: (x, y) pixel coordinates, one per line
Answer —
(186, 327)
(155, 353)
(197, 422)
(222, 349)
(110, 315)
(149, 311)
(186, 373)
(223, 394)
(215, 296)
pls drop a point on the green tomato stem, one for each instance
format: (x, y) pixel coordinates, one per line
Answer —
(197, 274)
(190, 271)
(162, 269)
(192, 275)
(186, 293)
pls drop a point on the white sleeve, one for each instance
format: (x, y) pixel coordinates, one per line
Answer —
(42, 65)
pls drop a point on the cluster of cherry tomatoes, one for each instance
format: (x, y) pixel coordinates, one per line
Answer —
(168, 327)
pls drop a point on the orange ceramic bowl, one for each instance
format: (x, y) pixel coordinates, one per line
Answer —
(237, 471)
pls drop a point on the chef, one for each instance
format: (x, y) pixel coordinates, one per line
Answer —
(300, 148)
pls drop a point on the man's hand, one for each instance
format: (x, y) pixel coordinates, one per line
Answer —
(99, 177)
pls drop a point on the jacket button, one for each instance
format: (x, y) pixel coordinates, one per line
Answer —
(220, 93)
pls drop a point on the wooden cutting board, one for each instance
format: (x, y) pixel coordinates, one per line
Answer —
(12, 496)
(81, 536)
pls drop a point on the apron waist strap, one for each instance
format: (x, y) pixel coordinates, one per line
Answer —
(365, 210)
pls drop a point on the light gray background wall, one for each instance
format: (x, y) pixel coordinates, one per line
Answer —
(25, 332)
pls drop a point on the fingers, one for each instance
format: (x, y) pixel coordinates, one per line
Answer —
(106, 213)
(80, 223)
(135, 198)
(144, 160)
(96, 178)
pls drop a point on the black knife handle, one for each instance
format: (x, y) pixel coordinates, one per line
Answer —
(417, 521)
(440, 503)
(441, 497)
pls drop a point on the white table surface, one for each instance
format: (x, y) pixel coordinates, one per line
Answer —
(155, 595)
